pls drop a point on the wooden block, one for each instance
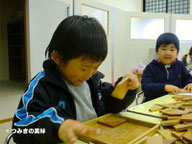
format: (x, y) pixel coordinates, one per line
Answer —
(188, 103)
(121, 89)
(188, 136)
(177, 142)
(174, 112)
(184, 91)
(166, 133)
(170, 122)
(155, 108)
(155, 140)
(172, 105)
(177, 134)
(179, 97)
(181, 127)
(187, 99)
(167, 141)
(173, 117)
(186, 117)
(183, 141)
(189, 108)
(111, 121)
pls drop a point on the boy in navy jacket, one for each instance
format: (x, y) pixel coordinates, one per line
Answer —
(165, 74)
(69, 90)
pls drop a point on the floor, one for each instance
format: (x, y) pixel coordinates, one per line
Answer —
(10, 94)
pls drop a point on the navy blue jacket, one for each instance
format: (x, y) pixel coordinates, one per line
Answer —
(47, 102)
(156, 76)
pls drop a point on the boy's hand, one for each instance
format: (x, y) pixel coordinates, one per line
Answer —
(188, 87)
(133, 81)
(71, 129)
(172, 89)
(129, 82)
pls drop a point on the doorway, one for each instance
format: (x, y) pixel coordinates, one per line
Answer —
(13, 44)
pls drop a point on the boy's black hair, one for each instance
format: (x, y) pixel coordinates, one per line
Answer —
(167, 38)
(79, 36)
(190, 51)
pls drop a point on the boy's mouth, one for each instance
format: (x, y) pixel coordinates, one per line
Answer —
(167, 57)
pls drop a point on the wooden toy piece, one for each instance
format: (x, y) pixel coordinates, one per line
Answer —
(183, 141)
(155, 108)
(184, 91)
(171, 117)
(167, 141)
(188, 103)
(111, 121)
(187, 99)
(189, 108)
(186, 117)
(181, 127)
(188, 136)
(121, 89)
(179, 97)
(177, 134)
(166, 133)
(170, 122)
(174, 112)
(177, 142)
(172, 105)
(155, 140)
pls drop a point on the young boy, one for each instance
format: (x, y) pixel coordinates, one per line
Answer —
(166, 74)
(69, 89)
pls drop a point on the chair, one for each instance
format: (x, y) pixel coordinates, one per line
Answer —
(8, 138)
(138, 95)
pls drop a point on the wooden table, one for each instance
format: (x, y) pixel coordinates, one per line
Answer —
(144, 108)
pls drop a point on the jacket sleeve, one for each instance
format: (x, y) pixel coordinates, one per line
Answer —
(113, 105)
(35, 119)
(148, 85)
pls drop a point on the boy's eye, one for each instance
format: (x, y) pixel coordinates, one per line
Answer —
(83, 69)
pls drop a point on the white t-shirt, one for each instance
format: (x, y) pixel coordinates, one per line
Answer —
(83, 103)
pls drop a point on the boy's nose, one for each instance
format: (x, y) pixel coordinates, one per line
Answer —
(168, 52)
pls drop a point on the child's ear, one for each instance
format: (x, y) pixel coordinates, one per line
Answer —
(156, 52)
(56, 58)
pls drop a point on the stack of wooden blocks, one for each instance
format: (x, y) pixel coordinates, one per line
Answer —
(176, 119)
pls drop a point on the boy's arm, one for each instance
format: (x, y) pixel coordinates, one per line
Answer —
(38, 120)
(115, 105)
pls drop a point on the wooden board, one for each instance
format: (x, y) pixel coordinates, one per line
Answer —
(186, 117)
(174, 112)
(111, 121)
(126, 133)
(188, 136)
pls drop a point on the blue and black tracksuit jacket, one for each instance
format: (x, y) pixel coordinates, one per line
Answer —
(47, 102)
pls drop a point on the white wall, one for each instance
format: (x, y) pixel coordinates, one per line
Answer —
(129, 51)
(43, 18)
(106, 67)
(184, 45)
(124, 52)
(125, 5)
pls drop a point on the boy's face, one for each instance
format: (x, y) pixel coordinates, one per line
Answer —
(78, 70)
(167, 53)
